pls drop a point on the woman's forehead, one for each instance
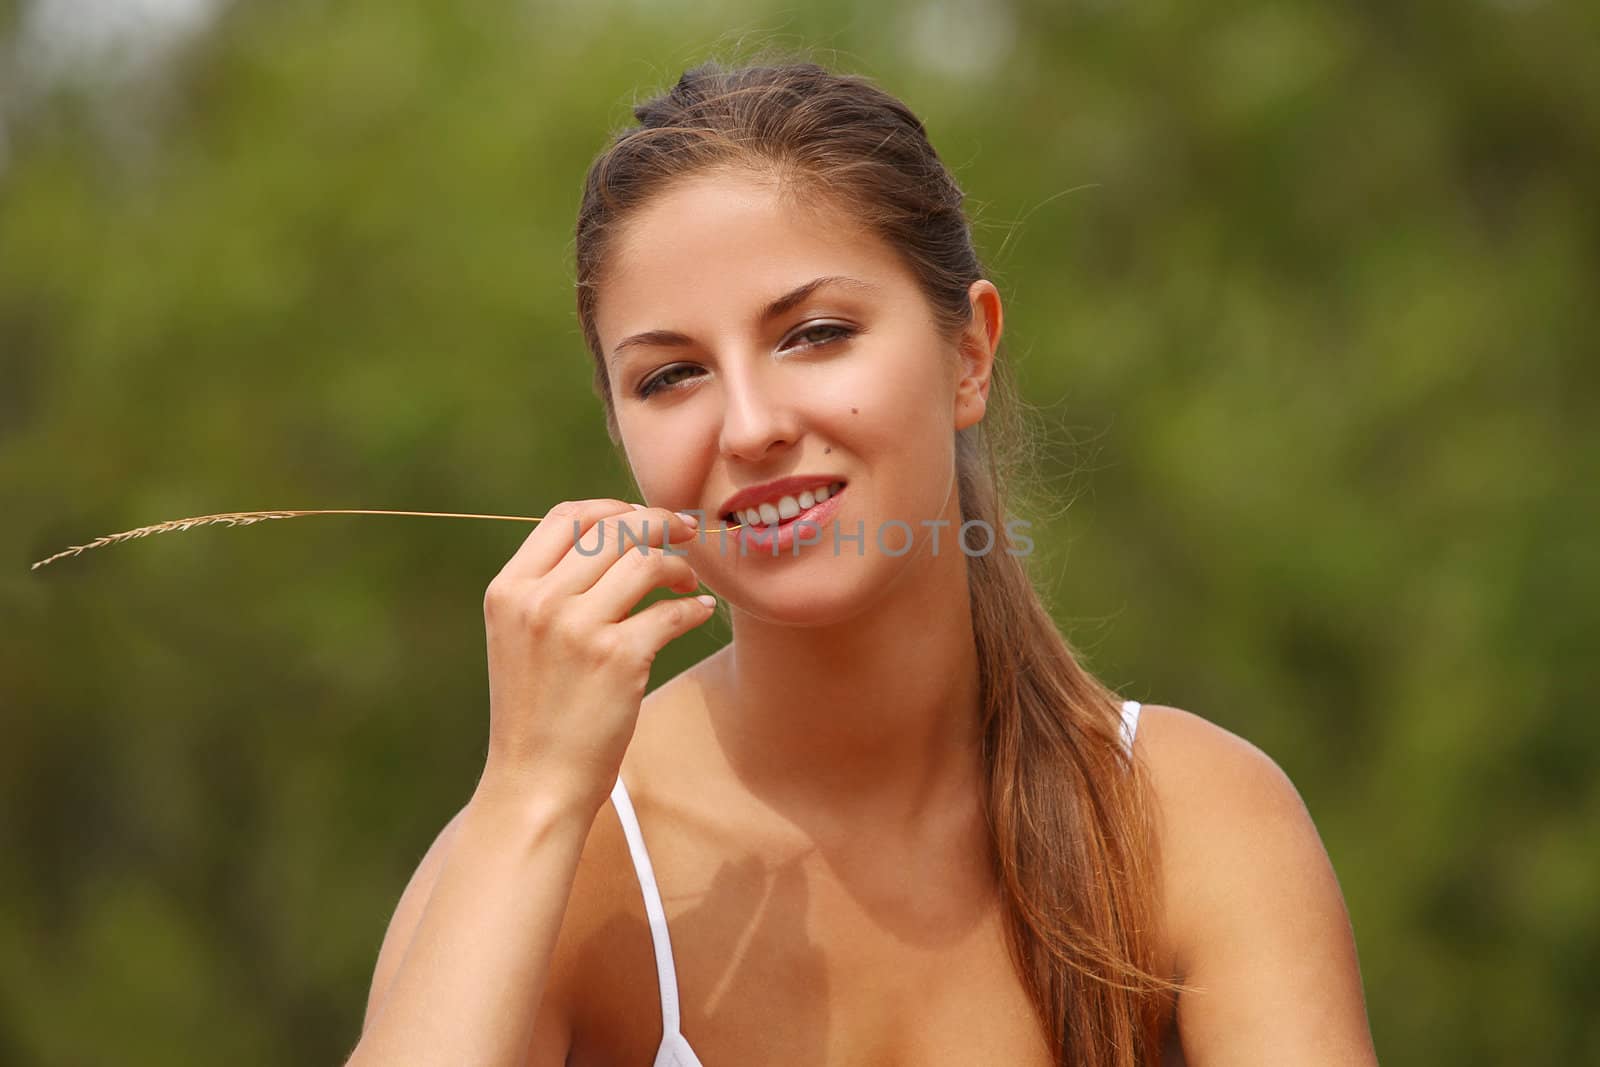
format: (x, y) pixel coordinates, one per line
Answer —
(733, 216)
(734, 241)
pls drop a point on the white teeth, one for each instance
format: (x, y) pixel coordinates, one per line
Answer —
(786, 507)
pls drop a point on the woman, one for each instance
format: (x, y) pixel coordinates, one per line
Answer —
(893, 821)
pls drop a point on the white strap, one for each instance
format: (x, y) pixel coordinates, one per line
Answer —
(666, 976)
(675, 1052)
(1130, 723)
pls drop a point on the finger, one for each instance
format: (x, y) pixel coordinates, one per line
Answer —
(551, 539)
(649, 631)
(628, 580)
(632, 533)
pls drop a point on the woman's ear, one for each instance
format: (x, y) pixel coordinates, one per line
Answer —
(978, 342)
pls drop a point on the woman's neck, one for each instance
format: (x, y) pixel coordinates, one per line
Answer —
(876, 718)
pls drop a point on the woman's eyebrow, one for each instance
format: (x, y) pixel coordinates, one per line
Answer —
(792, 299)
(787, 302)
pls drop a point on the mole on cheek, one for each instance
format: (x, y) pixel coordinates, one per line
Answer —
(853, 411)
(825, 451)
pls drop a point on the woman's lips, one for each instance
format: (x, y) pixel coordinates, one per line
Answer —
(753, 539)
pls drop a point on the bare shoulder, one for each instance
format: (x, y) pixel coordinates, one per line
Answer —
(1255, 917)
(1211, 772)
(1232, 825)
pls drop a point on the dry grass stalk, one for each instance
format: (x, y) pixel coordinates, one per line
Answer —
(246, 518)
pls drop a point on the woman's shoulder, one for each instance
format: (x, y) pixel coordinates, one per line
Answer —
(1204, 762)
(1220, 801)
(1254, 915)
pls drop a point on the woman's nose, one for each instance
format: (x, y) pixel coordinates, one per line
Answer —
(756, 416)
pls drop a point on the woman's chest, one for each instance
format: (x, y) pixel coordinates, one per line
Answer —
(805, 959)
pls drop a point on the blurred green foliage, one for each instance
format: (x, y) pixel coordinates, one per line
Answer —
(1306, 294)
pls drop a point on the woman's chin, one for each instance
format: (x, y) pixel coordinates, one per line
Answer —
(804, 606)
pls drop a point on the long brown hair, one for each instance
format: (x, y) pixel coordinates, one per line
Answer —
(1068, 810)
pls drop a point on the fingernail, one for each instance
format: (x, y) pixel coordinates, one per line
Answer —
(688, 518)
(637, 507)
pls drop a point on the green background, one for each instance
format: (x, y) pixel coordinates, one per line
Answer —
(1303, 294)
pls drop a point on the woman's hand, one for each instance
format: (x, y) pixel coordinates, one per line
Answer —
(568, 664)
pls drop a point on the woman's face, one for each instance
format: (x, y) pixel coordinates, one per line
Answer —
(851, 382)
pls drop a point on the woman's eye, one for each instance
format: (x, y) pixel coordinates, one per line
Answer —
(813, 336)
(661, 380)
(840, 332)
